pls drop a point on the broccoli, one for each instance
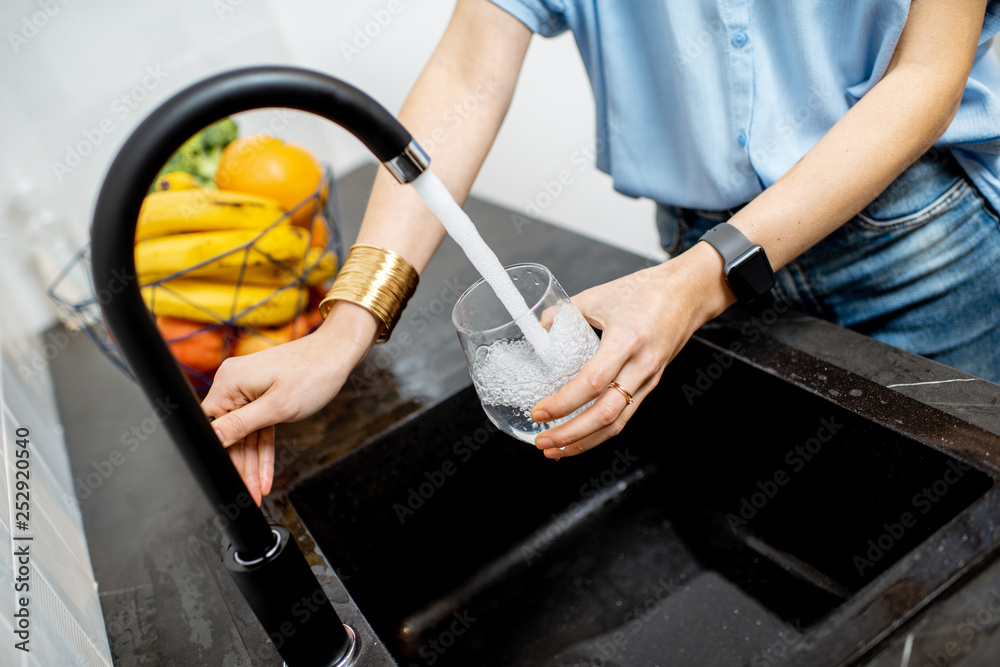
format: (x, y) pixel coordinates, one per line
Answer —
(199, 155)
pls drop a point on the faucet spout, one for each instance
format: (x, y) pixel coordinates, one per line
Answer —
(255, 545)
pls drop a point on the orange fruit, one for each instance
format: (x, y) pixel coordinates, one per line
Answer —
(194, 345)
(320, 232)
(264, 165)
(261, 338)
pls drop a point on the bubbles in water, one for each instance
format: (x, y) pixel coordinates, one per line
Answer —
(509, 373)
(458, 225)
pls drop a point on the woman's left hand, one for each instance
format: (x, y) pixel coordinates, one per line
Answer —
(646, 318)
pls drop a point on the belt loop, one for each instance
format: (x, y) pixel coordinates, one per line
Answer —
(687, 217)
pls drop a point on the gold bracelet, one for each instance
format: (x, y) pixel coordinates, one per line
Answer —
(378, 280)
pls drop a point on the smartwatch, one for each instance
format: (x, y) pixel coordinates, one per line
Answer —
(747, 269)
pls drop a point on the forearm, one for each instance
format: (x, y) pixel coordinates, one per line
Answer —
(874, 142)
(454, 111)
(886, 131)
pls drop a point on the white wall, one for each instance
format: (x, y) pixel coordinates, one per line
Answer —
(77, 78)
(65, 625)
(551, 118)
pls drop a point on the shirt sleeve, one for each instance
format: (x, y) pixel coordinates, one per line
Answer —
(544, 17)
(991, 22)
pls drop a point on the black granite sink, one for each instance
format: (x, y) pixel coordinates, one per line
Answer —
(739, 518)
(743, 517)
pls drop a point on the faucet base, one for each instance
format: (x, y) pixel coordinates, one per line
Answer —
(291, 605)
(352, 653)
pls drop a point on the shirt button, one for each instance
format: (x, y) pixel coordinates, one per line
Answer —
(742, 139)
(739, 39)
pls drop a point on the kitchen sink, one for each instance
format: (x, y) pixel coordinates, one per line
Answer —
(746, 516)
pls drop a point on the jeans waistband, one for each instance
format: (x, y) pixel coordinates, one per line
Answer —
(690, 214)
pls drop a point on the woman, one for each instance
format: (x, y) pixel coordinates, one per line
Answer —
(847, 140)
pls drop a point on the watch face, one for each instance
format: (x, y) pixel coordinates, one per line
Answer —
(750, 276)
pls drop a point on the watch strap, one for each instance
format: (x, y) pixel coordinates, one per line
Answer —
(728, 241)
(746, 268)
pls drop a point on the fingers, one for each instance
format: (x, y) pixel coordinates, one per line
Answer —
(265, 446)
(601, 421)
(251, 466)
(237, 456)
(222, 396)
(590, 382)
(245, 459)
(231, 427)
(548, 316)
(591, 306)
(581, 446)
(253, 459)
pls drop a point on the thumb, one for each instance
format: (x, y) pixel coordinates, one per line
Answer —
(241, 422)
(591, 305)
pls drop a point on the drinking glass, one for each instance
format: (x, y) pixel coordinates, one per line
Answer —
(509, 376)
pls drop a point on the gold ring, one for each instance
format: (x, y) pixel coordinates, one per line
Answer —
(623, 390)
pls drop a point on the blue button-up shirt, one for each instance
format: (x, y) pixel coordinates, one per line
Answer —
(704, 104)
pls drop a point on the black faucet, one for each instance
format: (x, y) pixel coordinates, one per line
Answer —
(263, 558)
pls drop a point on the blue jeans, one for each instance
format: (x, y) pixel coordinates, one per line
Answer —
(918, 269)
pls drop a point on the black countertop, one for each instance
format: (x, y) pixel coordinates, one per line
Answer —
(155, 551)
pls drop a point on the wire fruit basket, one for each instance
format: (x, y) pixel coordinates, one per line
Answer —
(262, 288)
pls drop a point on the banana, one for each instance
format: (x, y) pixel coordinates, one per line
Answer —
(208, 301)
(201, 210)
(176, 180)
(321, 265)
(268, 255)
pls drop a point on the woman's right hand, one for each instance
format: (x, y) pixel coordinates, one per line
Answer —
(479, 58)
(285, 383)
